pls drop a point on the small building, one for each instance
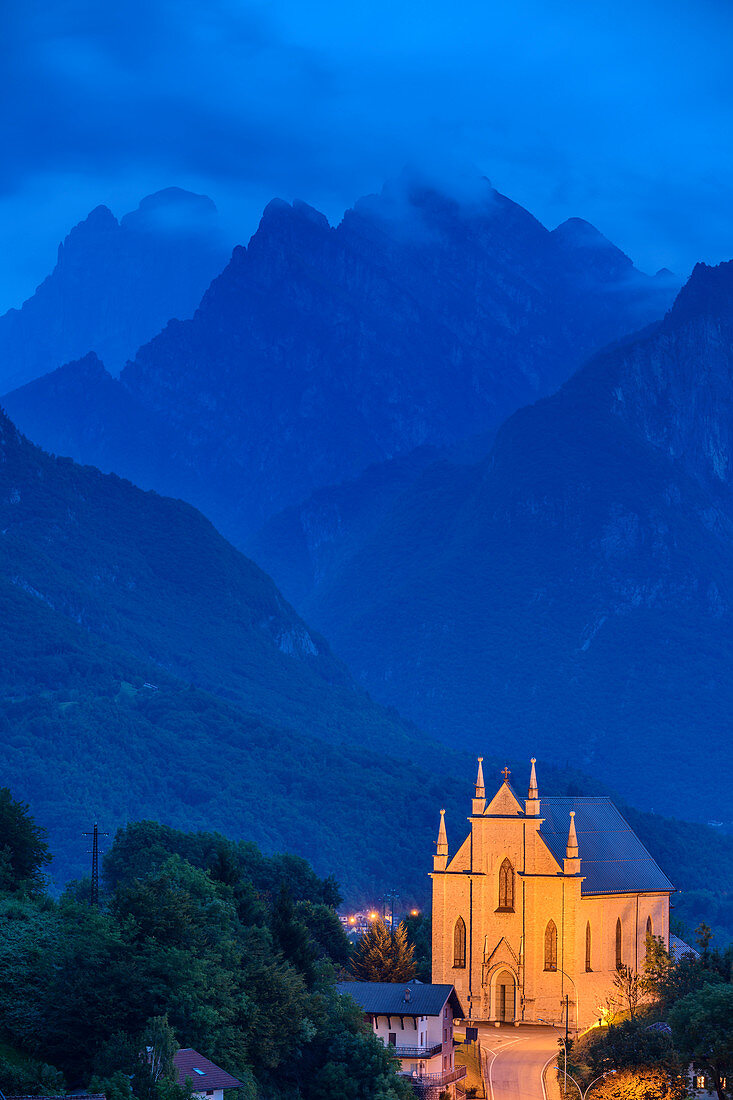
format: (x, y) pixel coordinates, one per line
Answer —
(415, 1020)
(678, 948)
(208, 1079)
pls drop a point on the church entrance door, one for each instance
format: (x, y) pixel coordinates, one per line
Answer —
(505, 997)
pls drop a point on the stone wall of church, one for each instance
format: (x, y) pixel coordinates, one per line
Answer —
(602, 913)
(504, 947)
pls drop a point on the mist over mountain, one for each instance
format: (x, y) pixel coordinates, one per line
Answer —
(114, 286)
(574, 589)
(420, 320)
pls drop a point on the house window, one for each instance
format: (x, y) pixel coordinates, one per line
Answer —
(393, 1038)
(459, 944)
(506, 887)
(588, 966)
(551, 946)
(619, 945)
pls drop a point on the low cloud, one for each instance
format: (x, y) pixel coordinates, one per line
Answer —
(617, 113)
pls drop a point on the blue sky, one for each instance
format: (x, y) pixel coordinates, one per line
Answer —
(617, 112)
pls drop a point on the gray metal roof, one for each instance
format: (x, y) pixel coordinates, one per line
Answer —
(388, 998)
(612, 858)
(678, 948)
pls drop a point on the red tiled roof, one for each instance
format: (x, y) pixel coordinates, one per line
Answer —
(204, 1074)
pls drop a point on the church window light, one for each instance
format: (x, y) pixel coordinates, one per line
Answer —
(459, 944)
(506, 887)
(551, 946)
(588, 966)
(619, 945)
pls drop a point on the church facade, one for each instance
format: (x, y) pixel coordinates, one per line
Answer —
(545, 899)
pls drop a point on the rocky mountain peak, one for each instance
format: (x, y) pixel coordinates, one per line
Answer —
(579, 235)
(708, 293)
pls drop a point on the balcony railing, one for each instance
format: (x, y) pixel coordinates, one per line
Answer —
(434, 1079)
(417, 1052)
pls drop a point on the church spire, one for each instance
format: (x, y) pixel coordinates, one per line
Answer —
(533, 781)
(440, 859)
(479, 797)
(532, 802)
(572, 859)
(571, 852)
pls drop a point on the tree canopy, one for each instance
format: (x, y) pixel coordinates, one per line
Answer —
(197, 942)
(384, 956)
(23, 849)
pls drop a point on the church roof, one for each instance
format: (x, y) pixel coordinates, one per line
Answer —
(388, 998)
(612, 858)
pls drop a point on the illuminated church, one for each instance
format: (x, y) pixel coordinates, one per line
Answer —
(545, 899)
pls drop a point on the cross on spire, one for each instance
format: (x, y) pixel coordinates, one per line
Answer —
(506, 773)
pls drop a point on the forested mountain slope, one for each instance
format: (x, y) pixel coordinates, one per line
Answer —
(574, 589)
(147, 669)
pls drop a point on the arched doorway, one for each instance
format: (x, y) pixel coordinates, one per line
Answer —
(505, 997)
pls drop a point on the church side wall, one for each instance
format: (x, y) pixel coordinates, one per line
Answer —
(451, 899)
(596, 986)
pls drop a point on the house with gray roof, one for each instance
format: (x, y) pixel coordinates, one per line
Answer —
(415, 1021)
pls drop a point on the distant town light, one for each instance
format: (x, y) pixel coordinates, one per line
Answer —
(414, 912)
(372, 916)
(352, 920)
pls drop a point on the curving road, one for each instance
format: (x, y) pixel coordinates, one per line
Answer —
(513, 1060)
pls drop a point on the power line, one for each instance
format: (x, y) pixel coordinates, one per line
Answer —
(95, 835)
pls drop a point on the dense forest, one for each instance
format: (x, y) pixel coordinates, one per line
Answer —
(197, 942)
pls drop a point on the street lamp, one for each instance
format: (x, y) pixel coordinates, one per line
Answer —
(593, 1082)
(577, 1003)
(564, 1041)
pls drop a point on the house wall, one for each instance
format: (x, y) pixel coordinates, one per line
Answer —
(420, 1031)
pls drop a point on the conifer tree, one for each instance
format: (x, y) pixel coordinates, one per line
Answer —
(383, 956)
(291, 935)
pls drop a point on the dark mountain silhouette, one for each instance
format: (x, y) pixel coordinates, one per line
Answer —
(573, 590)
(419, 321)
(115, 285)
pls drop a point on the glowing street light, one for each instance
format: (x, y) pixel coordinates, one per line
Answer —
(372, 916)
(414, 912)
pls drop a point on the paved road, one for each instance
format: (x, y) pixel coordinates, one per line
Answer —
(514, 1058)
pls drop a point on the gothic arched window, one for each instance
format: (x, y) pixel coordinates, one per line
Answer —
(551, 946)
(506, 886)
(459, 944)
(588, 966)
(648, 940)
(619, 952)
